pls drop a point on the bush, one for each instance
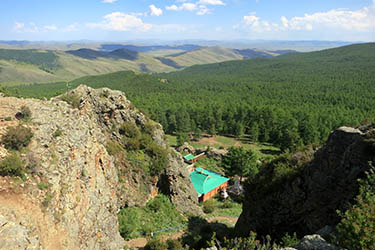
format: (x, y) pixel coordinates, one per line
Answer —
(174, 244)
(113, 147)
(158, 214)
(17, 137)
(57, 133)
(156, 245)
(26, 112)
(209, 206)
(12, 165)
(73, 99)
(129, 130)
(357, 227)
(289, 240)
(249, 243)
(132, 143)
(159, 158)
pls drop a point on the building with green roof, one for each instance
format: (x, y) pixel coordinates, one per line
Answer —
(191, 158)
(207, 183)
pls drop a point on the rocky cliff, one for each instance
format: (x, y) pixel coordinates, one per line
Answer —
(304, 196)
(73, 187)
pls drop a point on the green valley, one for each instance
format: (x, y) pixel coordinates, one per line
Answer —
(290, 100)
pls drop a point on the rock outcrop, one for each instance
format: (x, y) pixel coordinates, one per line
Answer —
(313, 242)
(307, 199)
(72, 191)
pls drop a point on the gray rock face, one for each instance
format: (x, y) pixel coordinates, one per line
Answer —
(308, 201)
(15, 234)
(78, 207)
(176, 183)
(314, 242)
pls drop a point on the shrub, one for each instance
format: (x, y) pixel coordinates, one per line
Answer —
(12, 165)
(209, 206)
(73, 99)
(289, 240)
(158, 214)
(249, 243)
(113, 147)
(156, 244)
(26, 112)
(357, 227)
(132, 143)
(17, 137)
(130, 130)
(149, 127)
(159, 158)
(174, 244)
(57, 133)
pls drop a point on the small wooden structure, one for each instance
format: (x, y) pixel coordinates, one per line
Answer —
(207, 183)
(192, 159)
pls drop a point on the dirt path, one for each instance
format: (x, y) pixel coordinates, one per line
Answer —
(219, 218)
(209, 141)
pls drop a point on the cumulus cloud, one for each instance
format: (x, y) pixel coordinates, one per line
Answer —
(154, 11)
(362, 20)
(33, 28)
(211, 2)
(200, 7)
(109, 1)
(121, 22)
(50, 27)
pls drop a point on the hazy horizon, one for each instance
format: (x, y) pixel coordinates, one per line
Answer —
(170, 20)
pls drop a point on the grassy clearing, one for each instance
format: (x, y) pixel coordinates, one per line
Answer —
(172, 139)
(263, 150)
(158, 214)
(226, 208)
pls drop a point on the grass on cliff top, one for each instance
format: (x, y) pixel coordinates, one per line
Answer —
(157, 215)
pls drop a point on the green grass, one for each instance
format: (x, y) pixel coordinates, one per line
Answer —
(172, 139)
(158, 214)
(226, 208)
(263, 150)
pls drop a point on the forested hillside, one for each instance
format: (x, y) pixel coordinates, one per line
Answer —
(289, 100)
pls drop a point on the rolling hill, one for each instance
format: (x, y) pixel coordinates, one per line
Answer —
(43, 66)
(293, 98)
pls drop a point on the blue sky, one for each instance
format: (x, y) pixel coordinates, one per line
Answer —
(121, 20)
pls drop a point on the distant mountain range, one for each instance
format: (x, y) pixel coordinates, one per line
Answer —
(183, 45)
(23, 66)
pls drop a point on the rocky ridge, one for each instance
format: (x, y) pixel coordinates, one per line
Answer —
(73, 192)
(308, 202)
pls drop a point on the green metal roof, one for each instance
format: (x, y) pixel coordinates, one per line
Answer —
(204, 181)
(189, 157)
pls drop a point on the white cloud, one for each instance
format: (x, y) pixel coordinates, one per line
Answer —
(70, 28)
(200, 7)
(18, 26)
(184, 6)
(284, 21)
(50, 27)
(172, 7)
(33, 28)
(121, 22)
(362, 20)
(26, 28)
(211, 2)
(154, 11)
(109, 1)
(251, 20)
(203, 10)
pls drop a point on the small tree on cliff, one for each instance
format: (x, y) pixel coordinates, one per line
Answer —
(240, 162)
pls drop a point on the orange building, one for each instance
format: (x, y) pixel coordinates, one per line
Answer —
(207, 183)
